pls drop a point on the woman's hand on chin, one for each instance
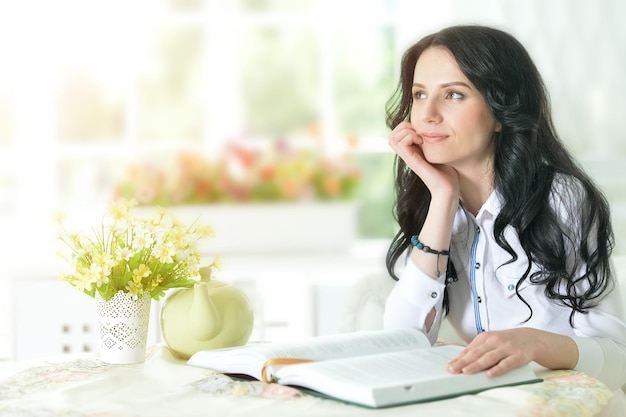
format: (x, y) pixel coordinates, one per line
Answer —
(407, 144)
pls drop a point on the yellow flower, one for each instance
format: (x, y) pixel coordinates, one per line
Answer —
(156, 281)
(135, 289)
(95, 275)
(217, 262)
(104, 260)
(205, 231)
(165, 253)
(142, 240)
(123, 254)
(120, 210)
(141, 272)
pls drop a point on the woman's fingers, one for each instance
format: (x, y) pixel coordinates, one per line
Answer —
(494, 352)
(496, 360)
(403, 135)
(406, 143)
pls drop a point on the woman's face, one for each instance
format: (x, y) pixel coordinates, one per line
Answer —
(450, 114)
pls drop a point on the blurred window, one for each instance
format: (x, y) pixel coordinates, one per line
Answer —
(102, 84)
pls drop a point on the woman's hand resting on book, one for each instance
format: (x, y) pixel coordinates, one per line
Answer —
(500, 351)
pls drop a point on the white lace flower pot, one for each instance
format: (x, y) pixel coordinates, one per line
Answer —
(123, 324)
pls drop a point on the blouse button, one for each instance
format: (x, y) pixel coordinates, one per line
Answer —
(477, 265)
(511, 287)
(433, 295)
(480, 300)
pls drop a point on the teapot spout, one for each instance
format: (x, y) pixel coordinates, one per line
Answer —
(205, 321)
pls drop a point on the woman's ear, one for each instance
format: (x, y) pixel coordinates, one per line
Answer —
(498, 126)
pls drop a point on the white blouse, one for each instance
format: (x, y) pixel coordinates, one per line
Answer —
(484, 297)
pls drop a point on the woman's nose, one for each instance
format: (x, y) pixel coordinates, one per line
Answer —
(430, 111)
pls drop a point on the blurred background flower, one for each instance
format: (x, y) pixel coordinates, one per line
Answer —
(242, 173)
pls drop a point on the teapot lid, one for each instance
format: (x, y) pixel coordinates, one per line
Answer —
(205, 273)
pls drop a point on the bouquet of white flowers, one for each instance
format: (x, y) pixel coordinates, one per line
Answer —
(137, 255)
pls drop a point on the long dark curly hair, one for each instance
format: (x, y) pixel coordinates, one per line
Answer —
(528, 156)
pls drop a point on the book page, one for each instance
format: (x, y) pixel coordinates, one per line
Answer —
(349, 344)
(250, 359)
(394, 378)
(382, 369)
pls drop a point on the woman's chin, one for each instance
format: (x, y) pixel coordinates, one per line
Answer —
(435, 159)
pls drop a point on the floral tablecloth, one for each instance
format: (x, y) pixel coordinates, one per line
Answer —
(165, 386)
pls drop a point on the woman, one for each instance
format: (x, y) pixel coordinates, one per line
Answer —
(502, 231)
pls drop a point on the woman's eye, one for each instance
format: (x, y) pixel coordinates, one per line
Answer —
(455, 95)
(419, 95)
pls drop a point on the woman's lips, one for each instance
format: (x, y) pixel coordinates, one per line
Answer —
(433, 137)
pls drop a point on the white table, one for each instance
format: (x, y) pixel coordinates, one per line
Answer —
(82, 385)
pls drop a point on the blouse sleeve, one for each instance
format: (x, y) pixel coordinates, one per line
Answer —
(411, 300)
(601, 340)
(600, 333)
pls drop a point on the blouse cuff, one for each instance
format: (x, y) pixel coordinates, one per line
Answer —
(420, 285)
(424, 293)
(592, 360)
(590, 356)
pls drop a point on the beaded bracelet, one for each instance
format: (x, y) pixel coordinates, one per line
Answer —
(419, 245)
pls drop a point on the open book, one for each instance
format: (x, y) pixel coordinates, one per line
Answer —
(379, 368)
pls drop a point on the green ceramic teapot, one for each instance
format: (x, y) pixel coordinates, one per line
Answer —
(210, 315)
